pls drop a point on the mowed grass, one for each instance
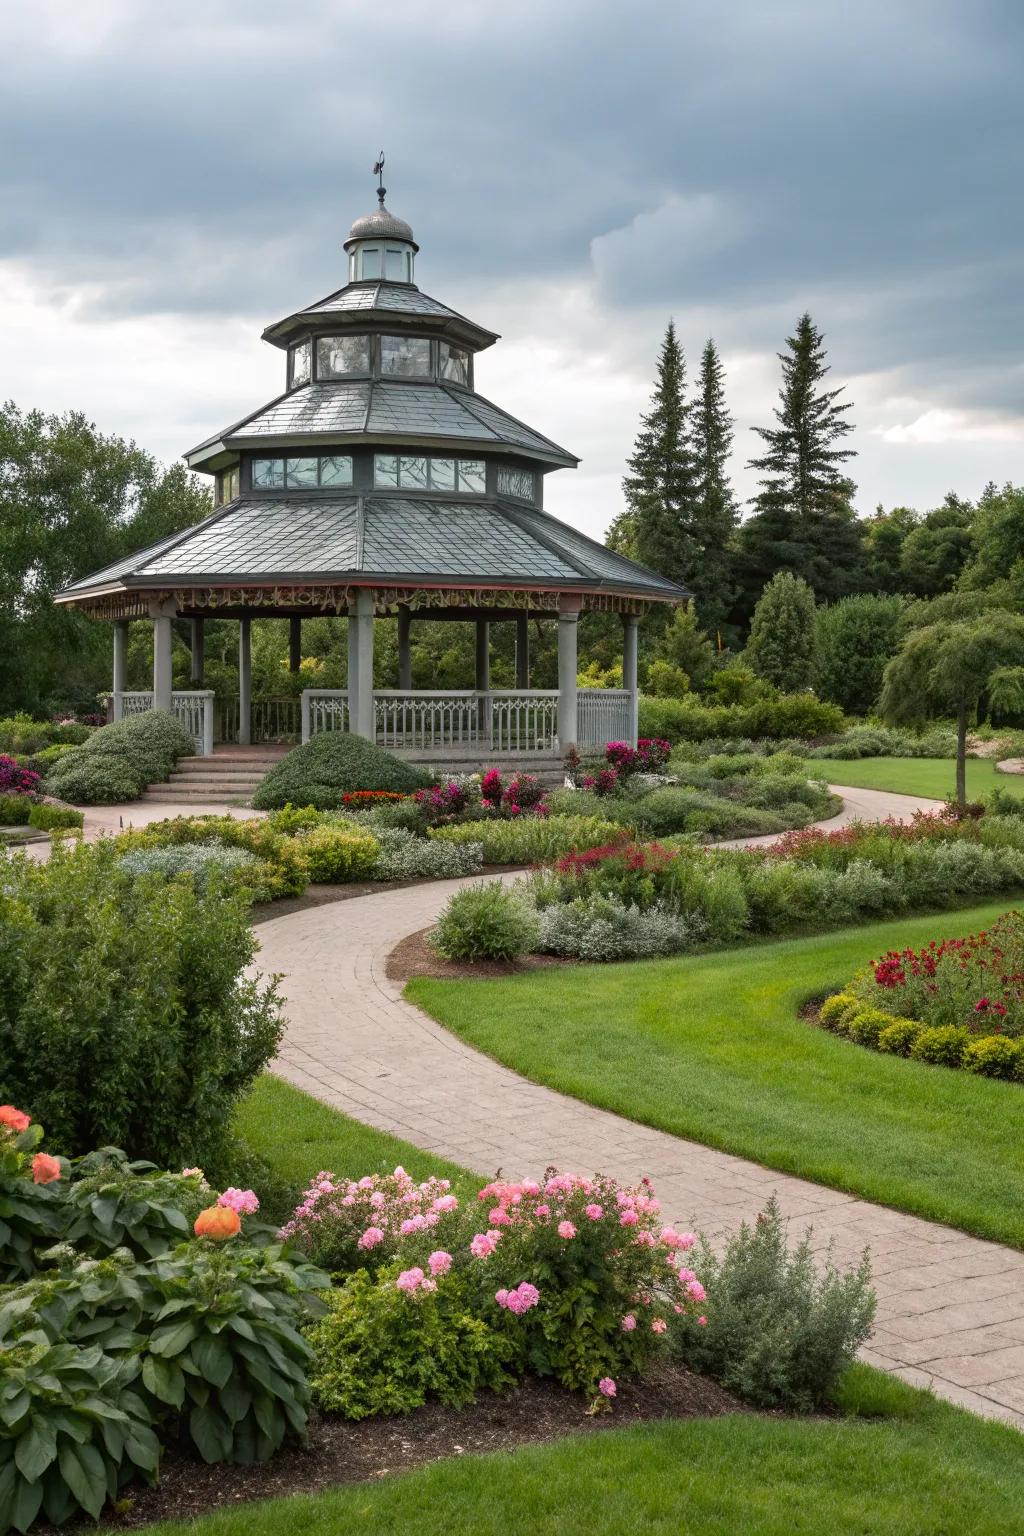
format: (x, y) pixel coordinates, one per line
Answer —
(923, 1469)
(298, 1136)
(711, 1047)
(933, 777)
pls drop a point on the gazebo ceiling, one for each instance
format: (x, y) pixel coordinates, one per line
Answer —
(377, 540)
(384, 411)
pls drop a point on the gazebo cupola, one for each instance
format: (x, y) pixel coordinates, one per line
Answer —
(381, 484)
(379, 245)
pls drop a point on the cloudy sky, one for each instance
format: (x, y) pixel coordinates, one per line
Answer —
(174, 177)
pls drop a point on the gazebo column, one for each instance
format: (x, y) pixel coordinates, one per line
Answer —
(198, 644)
(245, 681)
(361, 717)
(630, 626)
(295, 642)
(483, 679)
(568, 623)
(163, 639)
(404, 648)
(522, 650)
(120, 666)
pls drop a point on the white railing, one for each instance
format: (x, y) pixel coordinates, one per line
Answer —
(524, 721)
(324, 709)
(603, 715)
(499, 720)
(275, 718)
(192, 708)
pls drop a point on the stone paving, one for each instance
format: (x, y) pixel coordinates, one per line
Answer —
(951, 1307)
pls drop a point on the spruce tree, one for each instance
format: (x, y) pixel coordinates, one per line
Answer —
(803, 520)
(656, 525)
(715, 512)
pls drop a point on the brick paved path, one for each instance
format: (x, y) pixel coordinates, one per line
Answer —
(951, 1307)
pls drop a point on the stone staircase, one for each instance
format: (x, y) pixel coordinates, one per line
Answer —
(229, 777)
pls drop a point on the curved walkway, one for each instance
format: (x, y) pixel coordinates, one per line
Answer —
(951, 1307)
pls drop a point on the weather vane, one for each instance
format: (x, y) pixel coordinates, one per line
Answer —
(378, 171)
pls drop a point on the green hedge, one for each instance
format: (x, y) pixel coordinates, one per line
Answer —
(334, 764)
(119, 761)
(789, 715)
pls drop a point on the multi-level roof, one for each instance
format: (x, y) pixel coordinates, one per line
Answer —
(404, 389)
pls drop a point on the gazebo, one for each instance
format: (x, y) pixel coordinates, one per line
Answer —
(381, 484)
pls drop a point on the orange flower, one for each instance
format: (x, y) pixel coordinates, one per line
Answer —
(218, 1222)
(15, 1119)
(45, 1169)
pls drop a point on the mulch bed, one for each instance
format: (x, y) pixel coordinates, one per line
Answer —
(413, 956)
(339, 1452)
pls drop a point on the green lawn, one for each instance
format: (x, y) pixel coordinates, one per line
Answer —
(711, 1047)
(924, 1469)
(934, 777)
(298, 1136)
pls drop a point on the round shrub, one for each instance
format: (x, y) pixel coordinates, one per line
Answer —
(942, 1047)
(91, 779)
(836, 1010)
(995, 1056)
(602, 928)
(282, 869)
(199, 860)
(117, 762)
(486, 922)
(898, 1038)
(866, 1025)
(332, 764)
(334, 856)
(403, 856)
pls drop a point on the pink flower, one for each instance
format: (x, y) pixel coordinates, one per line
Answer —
(529, 1293)
(628, 1323)
(566, 1230)
(702, 1321)
(446, 1203)
(377, 1199)
(645, 1240)
(483, 1244)
(192, 1173)
(499, 1217)
(45, 1169)
(629, 1218)
(501, 1297)
(370, 1238)
(410, 1280)
(659, 1325)
(606, 1387)
(595, 1212)
(695, 1290)
(440, 1262)
(244, 1201)
(530, 1187)
(543, 1211)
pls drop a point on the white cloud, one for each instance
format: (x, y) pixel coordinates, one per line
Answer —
(945, 426)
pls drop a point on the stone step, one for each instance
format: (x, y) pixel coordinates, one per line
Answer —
(160, 795)
(212, 786)
(218, 764)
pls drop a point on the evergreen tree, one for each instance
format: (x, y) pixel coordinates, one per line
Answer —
(804, 522)
(782, 635)
(656, 526)
(715, 511)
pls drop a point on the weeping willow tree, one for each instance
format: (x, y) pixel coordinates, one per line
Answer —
(949, 668)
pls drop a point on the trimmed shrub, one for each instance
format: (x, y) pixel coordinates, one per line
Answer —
(334, 763)
(942, 1047)
(780, 1326)
(403, 856)
(835, 1011)
(54, 818)
(379, 1351)
(334, 856)
(15, 810)
(531, 839)
(125, 1016)
(200, 860)
(486, 922)
(995, 1056)
(897, 1038)
(866, 1025)
(788, 715)
(281, 871)
(138, 751)
(291, 819)
(603, 928)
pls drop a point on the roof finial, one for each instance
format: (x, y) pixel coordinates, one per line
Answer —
(378, 171)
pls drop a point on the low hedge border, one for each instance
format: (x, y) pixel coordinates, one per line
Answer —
(944, 1045)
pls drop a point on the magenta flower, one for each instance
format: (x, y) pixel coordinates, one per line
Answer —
(606, 1387)
(628, 1323)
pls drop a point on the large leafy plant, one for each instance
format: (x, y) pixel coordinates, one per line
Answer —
(113, 1203)
(29, 1208)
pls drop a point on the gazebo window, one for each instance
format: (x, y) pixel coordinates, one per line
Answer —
(226, 486)
(396, 264)
(520, 483)
(303, 474)
(299, 363)
(408, 356)
(418, 473)
(337, 356)
(453, 363)
(368, 261)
